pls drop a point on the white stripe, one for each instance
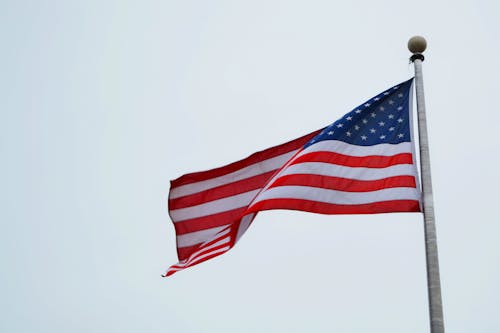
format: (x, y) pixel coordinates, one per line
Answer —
(332, 170)
(246, 172)
(198, 237)
(244, 224)
(383, 149)
(213, 207)
(339, 197)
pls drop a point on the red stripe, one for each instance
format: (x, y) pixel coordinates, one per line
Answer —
(170, 272)
(326, 208)
(374, 161)
(252, 159)
(224, 191)
(209, 221)
(193, 260)
(344, 184)
(185, 252)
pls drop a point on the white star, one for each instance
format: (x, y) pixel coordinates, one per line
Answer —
(382, 137)
(365, 121)
(358, 111)
(330, 133)
(367, 104)
(400, 120)
(381, 123)
(400, 95)
(373, 114)
(391, 129)
(363, 137)
(390, 116)
(372, 130)
(400, 135)
(348, 133)
(356, 127)
(391, 102)
(395, 88)
(386, 93)
(377, 98)
(349, 118)
(381, 108)
(340, 125)
(400, 108)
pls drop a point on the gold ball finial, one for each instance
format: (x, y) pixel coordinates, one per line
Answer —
(417, 44)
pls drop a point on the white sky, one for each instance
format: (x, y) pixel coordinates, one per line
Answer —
(103, 102)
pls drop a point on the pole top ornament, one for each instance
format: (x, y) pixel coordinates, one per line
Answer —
(417, 45)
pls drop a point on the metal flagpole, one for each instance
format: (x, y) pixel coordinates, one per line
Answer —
(417, 46)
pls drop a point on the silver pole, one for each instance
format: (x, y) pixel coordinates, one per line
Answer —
(417, 45)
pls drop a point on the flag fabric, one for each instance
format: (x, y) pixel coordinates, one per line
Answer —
(364, 163)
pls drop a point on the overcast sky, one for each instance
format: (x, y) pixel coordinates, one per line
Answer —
(104, 102)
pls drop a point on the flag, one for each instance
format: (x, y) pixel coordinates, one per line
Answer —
(363, 163)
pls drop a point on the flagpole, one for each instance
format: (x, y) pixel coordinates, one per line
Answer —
(417, 46)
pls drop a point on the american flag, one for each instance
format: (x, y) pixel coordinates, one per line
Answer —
(364, 163)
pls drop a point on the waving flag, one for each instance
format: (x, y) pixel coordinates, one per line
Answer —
(364, 163)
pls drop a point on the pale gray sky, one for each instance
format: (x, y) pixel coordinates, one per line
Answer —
(103, 102)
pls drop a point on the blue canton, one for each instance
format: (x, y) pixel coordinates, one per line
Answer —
(383, 119)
